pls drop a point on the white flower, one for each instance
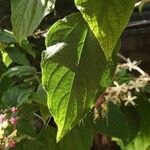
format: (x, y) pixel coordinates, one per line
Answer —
(145, 78)
(134, 85)
(134, 65)
(119, 88)
(131, 65)
(138, 83)
(129, 99)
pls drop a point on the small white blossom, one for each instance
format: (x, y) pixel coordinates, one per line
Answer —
(131, 65)
(134, 85)
(119, 88)
(129, 99)
(145, 78)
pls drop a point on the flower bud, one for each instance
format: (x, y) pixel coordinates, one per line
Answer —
(14, 120)
(2, 117)
(13, 109)
(11, 143)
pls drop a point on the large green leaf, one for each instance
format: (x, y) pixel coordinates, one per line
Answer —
(74, 71)
(27, 15)
(107, 19)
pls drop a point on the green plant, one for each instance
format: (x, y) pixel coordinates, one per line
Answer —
(69, 96)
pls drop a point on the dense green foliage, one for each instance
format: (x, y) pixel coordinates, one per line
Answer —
(56, 96)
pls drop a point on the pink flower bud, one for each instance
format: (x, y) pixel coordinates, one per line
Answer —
(11, 143)
(2, 117)
(13, 109)
(14, 120)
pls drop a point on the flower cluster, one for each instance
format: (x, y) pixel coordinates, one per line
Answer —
(8, 132)
(123, 92)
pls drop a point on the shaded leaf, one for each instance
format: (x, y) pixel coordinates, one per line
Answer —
(28, 144)
(2, 67)
(16, 95)
(40, 96)
(17, 56)
(144, 112)
(142, 140)
(115, 123)
(5, 83)
(134, 122)
(44, 111)
(7, 37)
(27, 15)
(28, 48)
(20, 71)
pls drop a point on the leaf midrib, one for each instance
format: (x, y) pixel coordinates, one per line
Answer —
(73, 83)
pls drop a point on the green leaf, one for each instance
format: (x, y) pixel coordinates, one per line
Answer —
(115, 123)
(141, 142)
(132, 116)
(26, 131)
(6, 59)
(80, 138)
(75, 72)
(27, 15)
(16, 95)
(28, 48)
(28, 144)
(2, 67)
(20, 71)
(26, 127)
(44, 111)
(7, 37)
(40, 96)
(5, 83)
(144, 111)
(17, 56)
(107, 19)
